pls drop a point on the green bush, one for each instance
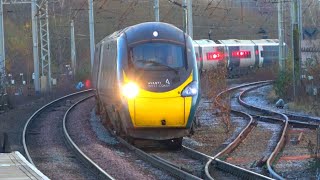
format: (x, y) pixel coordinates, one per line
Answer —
(283, 85)
(83, 73)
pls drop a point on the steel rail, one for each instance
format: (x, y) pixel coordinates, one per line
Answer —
(240, 171)
(285, 120)
(229, 167)
(302, 117)
(217, 98)
(96, 168)
(281, 142)
(294, 123)
(156, 161)
(34, 115)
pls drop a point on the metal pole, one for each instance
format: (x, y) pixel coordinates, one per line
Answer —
(281, 36)
(293, 22)
(2, 49)
(189, 18)
(73, 49)
(300, 39)
(91, 27)
(185, 16)
(318, 143)
(156, 10)
(45, 45)
(296, 42)
(34, 11)
(49, 51)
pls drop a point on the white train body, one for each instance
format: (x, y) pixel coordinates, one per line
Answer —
(239, 56)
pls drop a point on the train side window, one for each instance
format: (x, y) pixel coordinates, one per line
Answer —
(269, 53)
(95, 70)
(197, 56)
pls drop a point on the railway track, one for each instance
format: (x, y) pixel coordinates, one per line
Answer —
(214, 164)
(177, 168)
(98, 148)
(158, 162)
(203, 166)
(309, 123)
(40, 156)
(273, 117)
(44, 145)
(80, 154)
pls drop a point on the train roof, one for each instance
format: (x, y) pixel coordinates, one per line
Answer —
(145, 32)
(149, 31)
(233, 42)
(206, 42)
(274, 42)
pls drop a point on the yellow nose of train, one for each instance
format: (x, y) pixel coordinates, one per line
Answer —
(159, 109)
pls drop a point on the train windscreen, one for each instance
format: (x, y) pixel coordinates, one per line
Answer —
(158, 56)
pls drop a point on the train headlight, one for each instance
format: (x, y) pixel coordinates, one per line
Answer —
(130, 90)
(190, 90)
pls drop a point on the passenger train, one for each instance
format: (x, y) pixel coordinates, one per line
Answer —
(146, 81)
(238, 56)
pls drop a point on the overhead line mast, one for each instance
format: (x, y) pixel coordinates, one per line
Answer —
(156, 10)
(188, 22)
(91, 28)
(39, 10)
(2, 49)
(281, 36)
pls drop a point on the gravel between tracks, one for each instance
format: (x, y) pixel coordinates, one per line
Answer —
(258, 145)
(89, 134)
(302, 166)
(12, 122)
(212, 124)
(48, 149)
(259, 98)
(296, 160)
(212, 136)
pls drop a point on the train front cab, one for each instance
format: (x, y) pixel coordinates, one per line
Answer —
(160, 99)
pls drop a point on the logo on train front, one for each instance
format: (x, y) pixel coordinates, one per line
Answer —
(167, 81)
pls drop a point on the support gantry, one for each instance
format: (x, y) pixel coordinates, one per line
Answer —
(39, 11)
(45, 43)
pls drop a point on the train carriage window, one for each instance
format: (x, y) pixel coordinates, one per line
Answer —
(158, 56)
(197, 57)
(269, 53)
(108, 65)
(96, 65)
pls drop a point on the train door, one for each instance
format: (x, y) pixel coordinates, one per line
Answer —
(234, 57)
(261, 58)
(246, 54)
(257, 59)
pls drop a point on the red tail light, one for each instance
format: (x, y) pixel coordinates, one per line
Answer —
(214, 56)
(87, 83)
(241, 54)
